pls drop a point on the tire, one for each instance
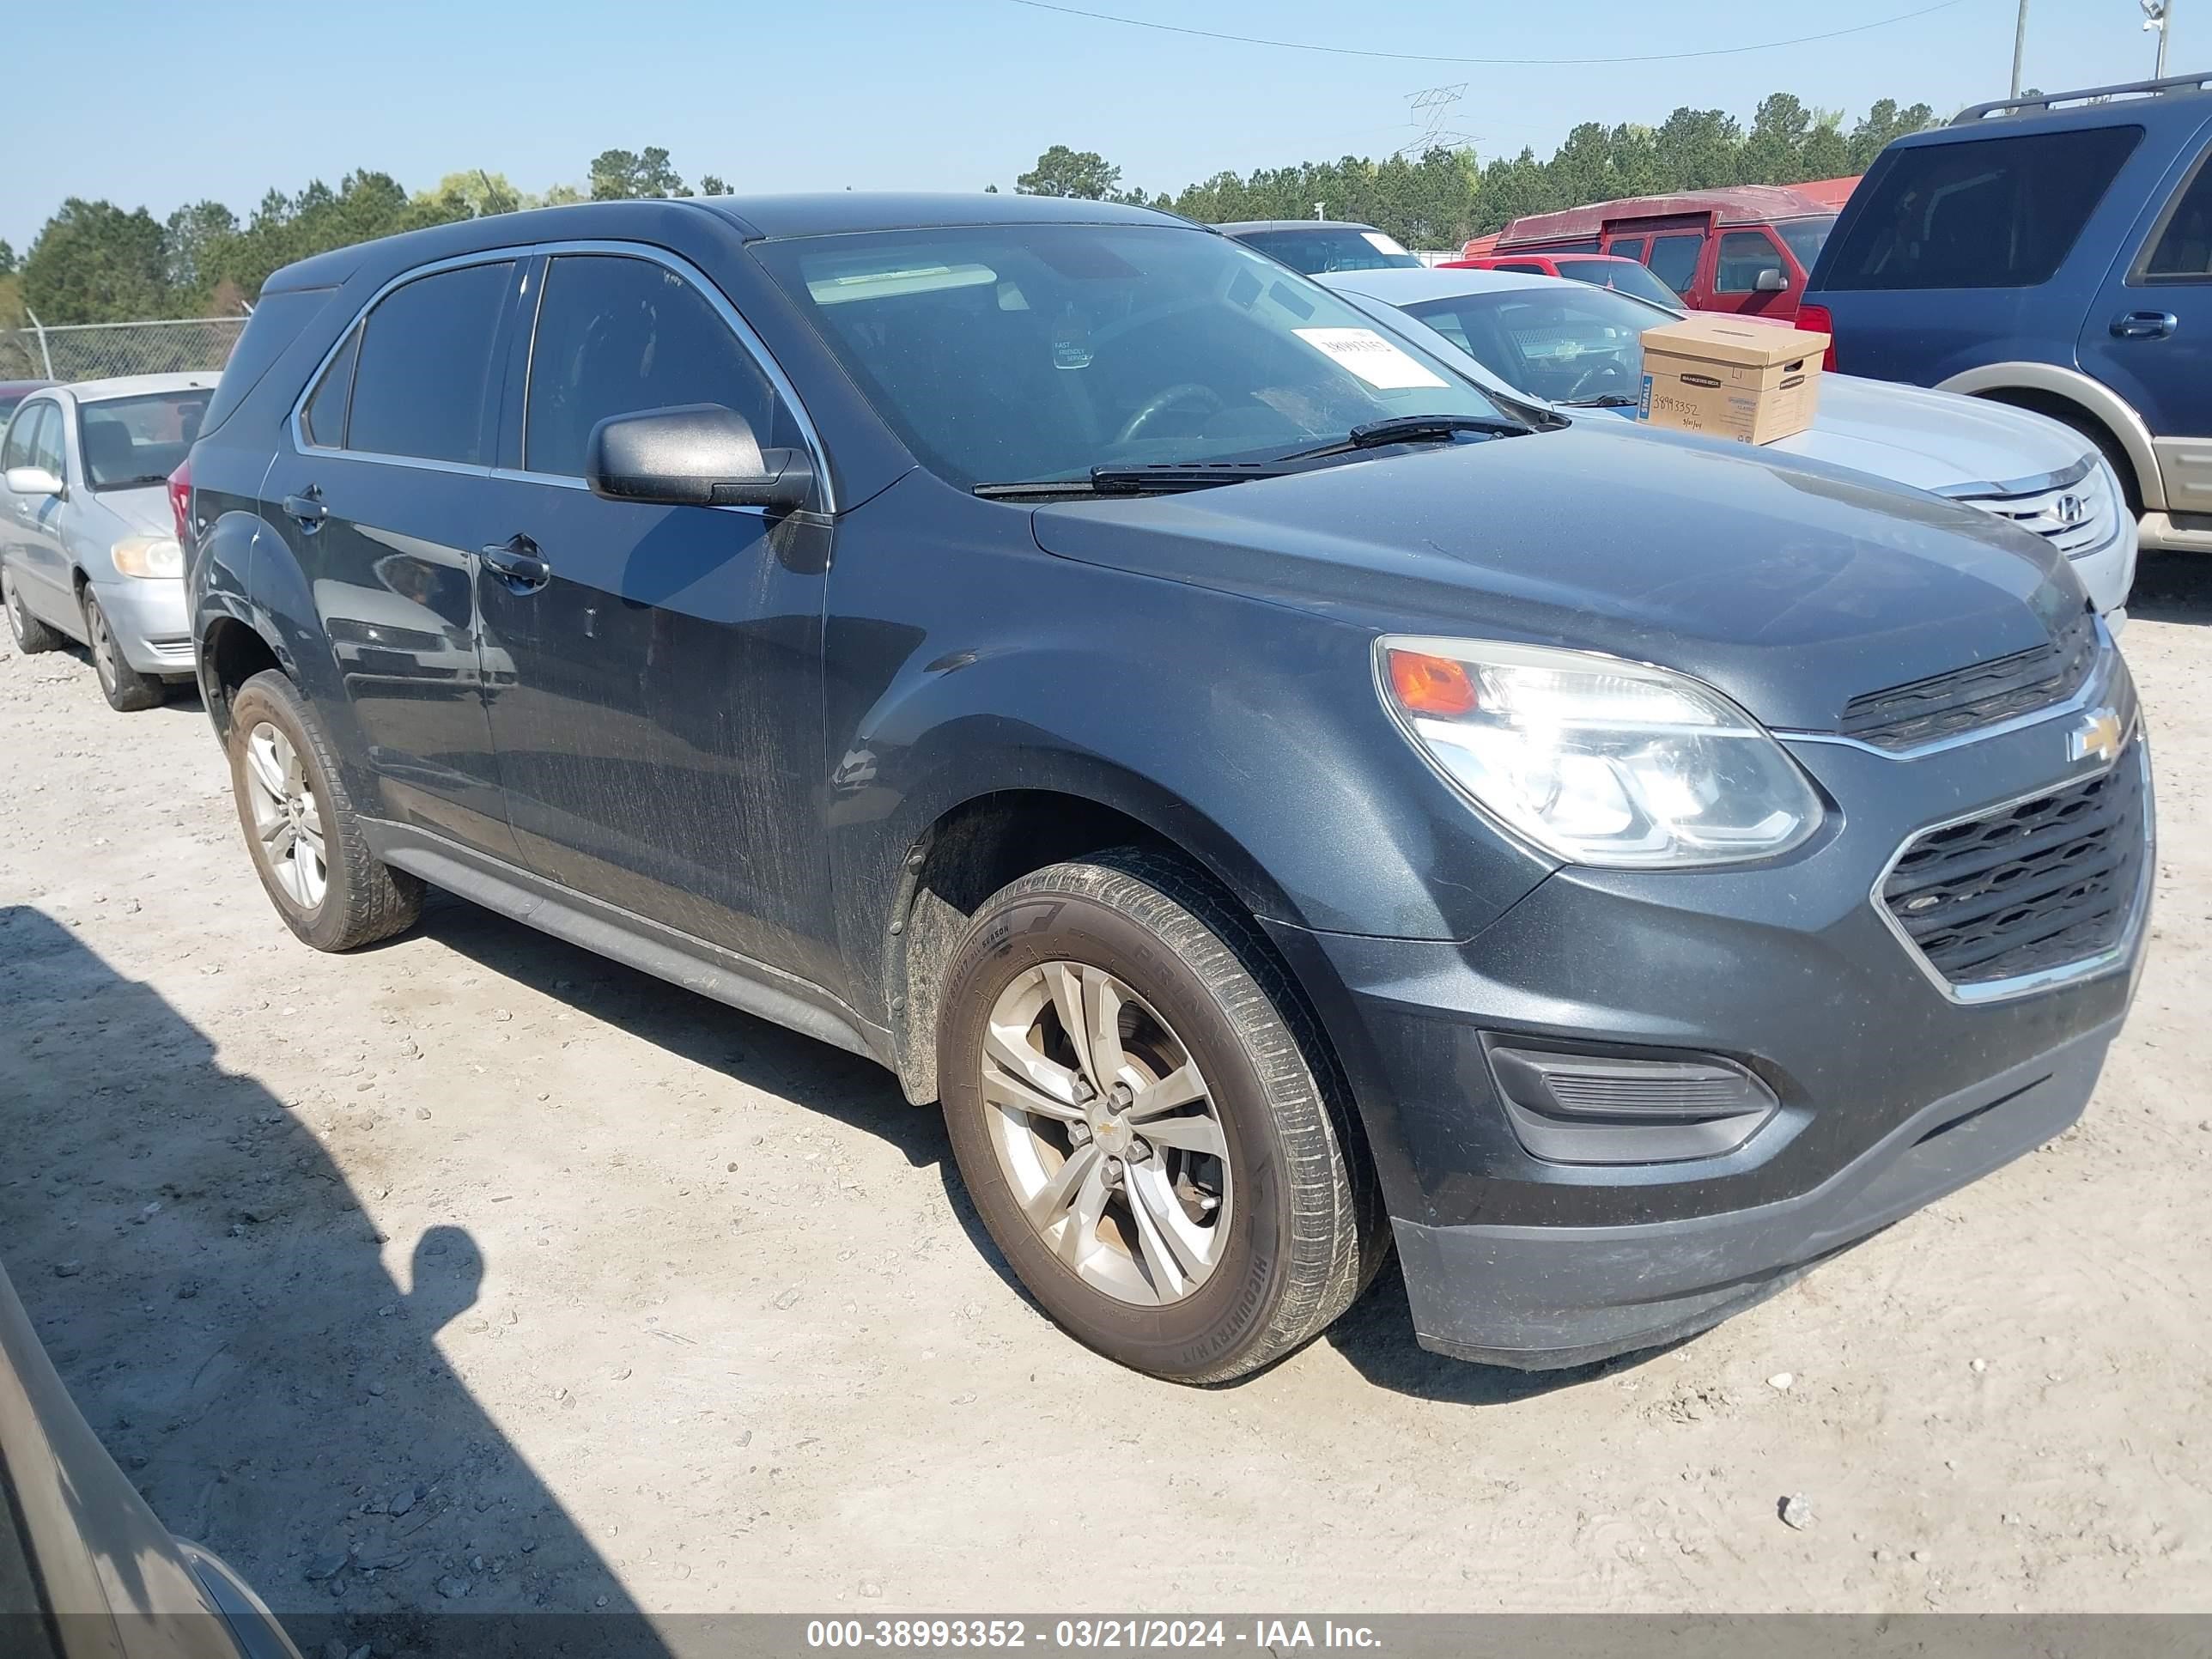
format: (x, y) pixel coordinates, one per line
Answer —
(30, 633)
(1296, 1229)
(359, 899)
(127, 691)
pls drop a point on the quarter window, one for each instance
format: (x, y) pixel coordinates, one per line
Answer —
(1981, 213)
(1744, 254)
(426, 383)
(322, 420)
(2184, 254)
(616, 335)
(1674, 258)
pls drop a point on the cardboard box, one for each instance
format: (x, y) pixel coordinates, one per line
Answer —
(1731, 378)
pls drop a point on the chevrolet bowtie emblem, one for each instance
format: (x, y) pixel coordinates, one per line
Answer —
(2098, 733)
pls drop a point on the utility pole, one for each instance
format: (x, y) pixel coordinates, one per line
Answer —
(2018, 46)
(2159, 14)
(1318, 206)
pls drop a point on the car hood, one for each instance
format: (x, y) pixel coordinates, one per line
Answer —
(1938, 440)
(144, 510)
(1791, 585)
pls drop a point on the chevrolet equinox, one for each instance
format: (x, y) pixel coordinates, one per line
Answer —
(1281, 800)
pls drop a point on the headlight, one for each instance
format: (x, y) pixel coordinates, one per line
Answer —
(149, 555)
(1596, 760)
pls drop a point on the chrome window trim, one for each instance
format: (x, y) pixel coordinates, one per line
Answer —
(2136, 748)
(516, 253)
(2098, 682)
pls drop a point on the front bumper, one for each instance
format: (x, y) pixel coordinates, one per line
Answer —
(1890, 1092)
(149, 619)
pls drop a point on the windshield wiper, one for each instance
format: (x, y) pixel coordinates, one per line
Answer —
(1412, 430)
(1604, 400)
(1162, 478)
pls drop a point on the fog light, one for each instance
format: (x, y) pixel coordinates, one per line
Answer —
(1607, 1108)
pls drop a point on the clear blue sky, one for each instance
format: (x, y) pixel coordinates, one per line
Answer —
(226, 98)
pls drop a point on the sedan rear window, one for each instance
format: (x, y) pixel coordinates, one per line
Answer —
(129, 443)
(1331, 248)
(1621, 275)
(1984, 213)
(1020, 354)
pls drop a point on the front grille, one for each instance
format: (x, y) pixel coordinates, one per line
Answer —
(2076, 518)
(2041, 885)
(1982, 694)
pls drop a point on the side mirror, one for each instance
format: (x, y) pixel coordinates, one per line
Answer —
(33, 481)
(694, 455)
(1771, 281)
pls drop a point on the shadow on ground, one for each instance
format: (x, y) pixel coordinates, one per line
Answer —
(2173, 587)
(1376, 1335)
(281, 1396)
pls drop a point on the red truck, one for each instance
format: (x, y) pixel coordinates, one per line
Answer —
(1744, 249)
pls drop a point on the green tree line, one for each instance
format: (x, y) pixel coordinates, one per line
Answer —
(1442, 197)
(94, 262)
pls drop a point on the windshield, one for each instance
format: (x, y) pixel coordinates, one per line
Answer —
(1805, 238)
(1013, 354)
(130, 441)
(1331, 247)
(1623, 276)
(1560, 343)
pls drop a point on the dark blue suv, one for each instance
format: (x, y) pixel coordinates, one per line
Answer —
(1282, 801)
(2053, 252)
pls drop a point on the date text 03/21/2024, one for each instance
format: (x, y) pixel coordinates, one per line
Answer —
(1260, 1635)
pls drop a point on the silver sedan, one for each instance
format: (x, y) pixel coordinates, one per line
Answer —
(88, 539)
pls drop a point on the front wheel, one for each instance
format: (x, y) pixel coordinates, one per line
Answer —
(1144, 1122)
(126, 689)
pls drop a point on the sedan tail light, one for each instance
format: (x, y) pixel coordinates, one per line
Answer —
(1816, 319)
(180, 502)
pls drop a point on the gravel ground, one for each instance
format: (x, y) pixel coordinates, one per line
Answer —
(475, 1271)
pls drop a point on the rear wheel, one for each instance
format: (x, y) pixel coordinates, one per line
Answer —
(1145, 1125)
(31, 635)
(302, 827)
(125, 688)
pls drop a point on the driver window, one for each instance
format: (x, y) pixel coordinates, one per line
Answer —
(1744, 254)
(47, 441)
(616, 335)
(18, 452)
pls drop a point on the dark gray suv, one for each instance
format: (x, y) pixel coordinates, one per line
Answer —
(1279, 800)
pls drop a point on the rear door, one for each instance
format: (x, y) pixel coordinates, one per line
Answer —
(656, 690)
(383, 500)
(2149, 333)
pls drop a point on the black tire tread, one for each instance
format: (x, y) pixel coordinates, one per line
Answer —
(1339, 1237)
(133, 692)
(376, 901)
(32, 634)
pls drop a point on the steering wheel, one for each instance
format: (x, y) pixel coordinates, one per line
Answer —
(1182, 391)
(1596, 373)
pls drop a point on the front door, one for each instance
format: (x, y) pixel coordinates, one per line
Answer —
(385, 503)
(36, 563)
(654, 672)
(1742, 260)
(2149, 335)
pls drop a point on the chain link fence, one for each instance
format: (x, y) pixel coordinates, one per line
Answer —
(92, 351)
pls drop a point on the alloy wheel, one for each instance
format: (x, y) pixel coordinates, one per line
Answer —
(288, 820)
(1107, 1134)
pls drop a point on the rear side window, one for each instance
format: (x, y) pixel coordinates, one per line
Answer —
(323, 421)
(277, 321)
(616, 336)
(1525, 267)
(424, 385)
(1628, 247)
(1985, 213)
(2184, 250)
(1674, 258)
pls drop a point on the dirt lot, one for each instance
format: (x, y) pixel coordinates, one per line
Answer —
(475, 1271)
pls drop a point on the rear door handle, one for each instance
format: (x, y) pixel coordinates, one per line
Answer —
(307, 508)
(516, 561)
(2144, 324)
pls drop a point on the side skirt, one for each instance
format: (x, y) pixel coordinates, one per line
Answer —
(650, 946)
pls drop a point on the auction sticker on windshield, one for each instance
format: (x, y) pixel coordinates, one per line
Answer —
(1369, 356)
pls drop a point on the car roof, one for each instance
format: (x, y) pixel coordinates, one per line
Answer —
(1732, 205)
(827, 213)
(2187, 99)
(1408, 287)
(139, 385)
(1240, 227)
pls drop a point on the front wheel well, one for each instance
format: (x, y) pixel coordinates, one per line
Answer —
(969, 854)
(231, 653)
(2064, 410)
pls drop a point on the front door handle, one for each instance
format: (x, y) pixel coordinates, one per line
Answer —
(306, 509)
(516, 561)
(2144, 324)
